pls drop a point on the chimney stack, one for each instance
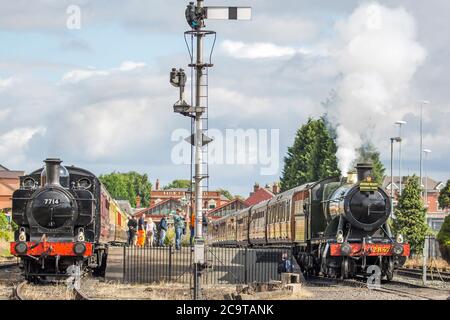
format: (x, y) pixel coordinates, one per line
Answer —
(52, 167)
(275, 188)
(256, 187)
(364, 170)
(157, 185)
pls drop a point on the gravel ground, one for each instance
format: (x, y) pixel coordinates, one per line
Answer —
(348, 293)
(8, 277)
(313, 290)
(118, 291)
(437, 284)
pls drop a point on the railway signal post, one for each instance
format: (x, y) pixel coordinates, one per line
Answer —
(196, 14)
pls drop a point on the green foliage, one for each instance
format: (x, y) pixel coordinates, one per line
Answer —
(368, 153)
(410, 215)
(312, 157)
(444, 196)
(178, 184)
(444, 234)
(127, 186)
(5, 230)
(226, 194)
(444, 239)
(170, 237)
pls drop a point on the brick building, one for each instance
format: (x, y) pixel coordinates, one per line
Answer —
(211, 199)
(435, 214)
(9, 182)
(261, 194)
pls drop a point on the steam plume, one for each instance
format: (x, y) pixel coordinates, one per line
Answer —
(377, 55)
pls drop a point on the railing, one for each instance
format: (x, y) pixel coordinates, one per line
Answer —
(157, 264)
(223, 265)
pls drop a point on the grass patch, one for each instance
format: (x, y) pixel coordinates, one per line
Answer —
(418, 261)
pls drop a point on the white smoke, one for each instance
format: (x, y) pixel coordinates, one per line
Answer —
(377, 55)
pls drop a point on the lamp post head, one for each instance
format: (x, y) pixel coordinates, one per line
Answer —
(426, 151)
(400, 122)
(396, 139)
(425, 102)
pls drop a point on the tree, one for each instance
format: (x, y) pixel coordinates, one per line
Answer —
(312, 157)
(410, 215)
(444, 239)
(226, 194)
(444, 196)
(127, 186)
(4, 227)
(368, 153)
(178, 184)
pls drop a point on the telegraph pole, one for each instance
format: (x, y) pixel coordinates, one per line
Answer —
(196, 14)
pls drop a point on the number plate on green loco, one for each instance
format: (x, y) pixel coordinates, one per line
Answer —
(368, 186)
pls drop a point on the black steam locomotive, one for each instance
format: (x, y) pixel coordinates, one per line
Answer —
(337, 227)
(63, 218)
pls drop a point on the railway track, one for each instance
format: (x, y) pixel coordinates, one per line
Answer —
(18, 293)
(398, 288)
(417, 274)
(7, 265)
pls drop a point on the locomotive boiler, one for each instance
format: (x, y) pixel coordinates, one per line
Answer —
(336, 227)
(64, 219)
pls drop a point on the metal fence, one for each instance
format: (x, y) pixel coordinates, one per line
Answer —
(433, 247)
(224, 265)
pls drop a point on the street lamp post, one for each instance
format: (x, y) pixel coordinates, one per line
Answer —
(425, 246)
(395, 139)
(400, 123)
(423, 102)
(426, 152)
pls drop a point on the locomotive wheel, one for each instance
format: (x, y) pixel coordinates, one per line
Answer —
(389, 275)
(389, 269)
(345, 268)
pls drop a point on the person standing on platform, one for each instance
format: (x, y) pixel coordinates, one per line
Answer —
(192, 229)
(178, 222)
(150, 232)
(162, 229)
(132, 226)
(141, 231)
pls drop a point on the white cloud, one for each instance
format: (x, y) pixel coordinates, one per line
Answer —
(14, 143)
(131, 65)
(4, 113)
(6, 83)
(84, 74)
(80, 75)
(242, 50)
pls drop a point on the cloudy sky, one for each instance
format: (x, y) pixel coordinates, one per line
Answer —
(99, 97)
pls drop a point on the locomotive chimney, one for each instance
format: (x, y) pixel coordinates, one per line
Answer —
(52, 167)
(364, 170)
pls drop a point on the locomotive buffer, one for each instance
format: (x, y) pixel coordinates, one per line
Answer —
(196, 14)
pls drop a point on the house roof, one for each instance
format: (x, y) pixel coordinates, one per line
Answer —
(8, 174)
(3, 168)
(258, 196)
(141, 211)
(227, 204)
(426, 181)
